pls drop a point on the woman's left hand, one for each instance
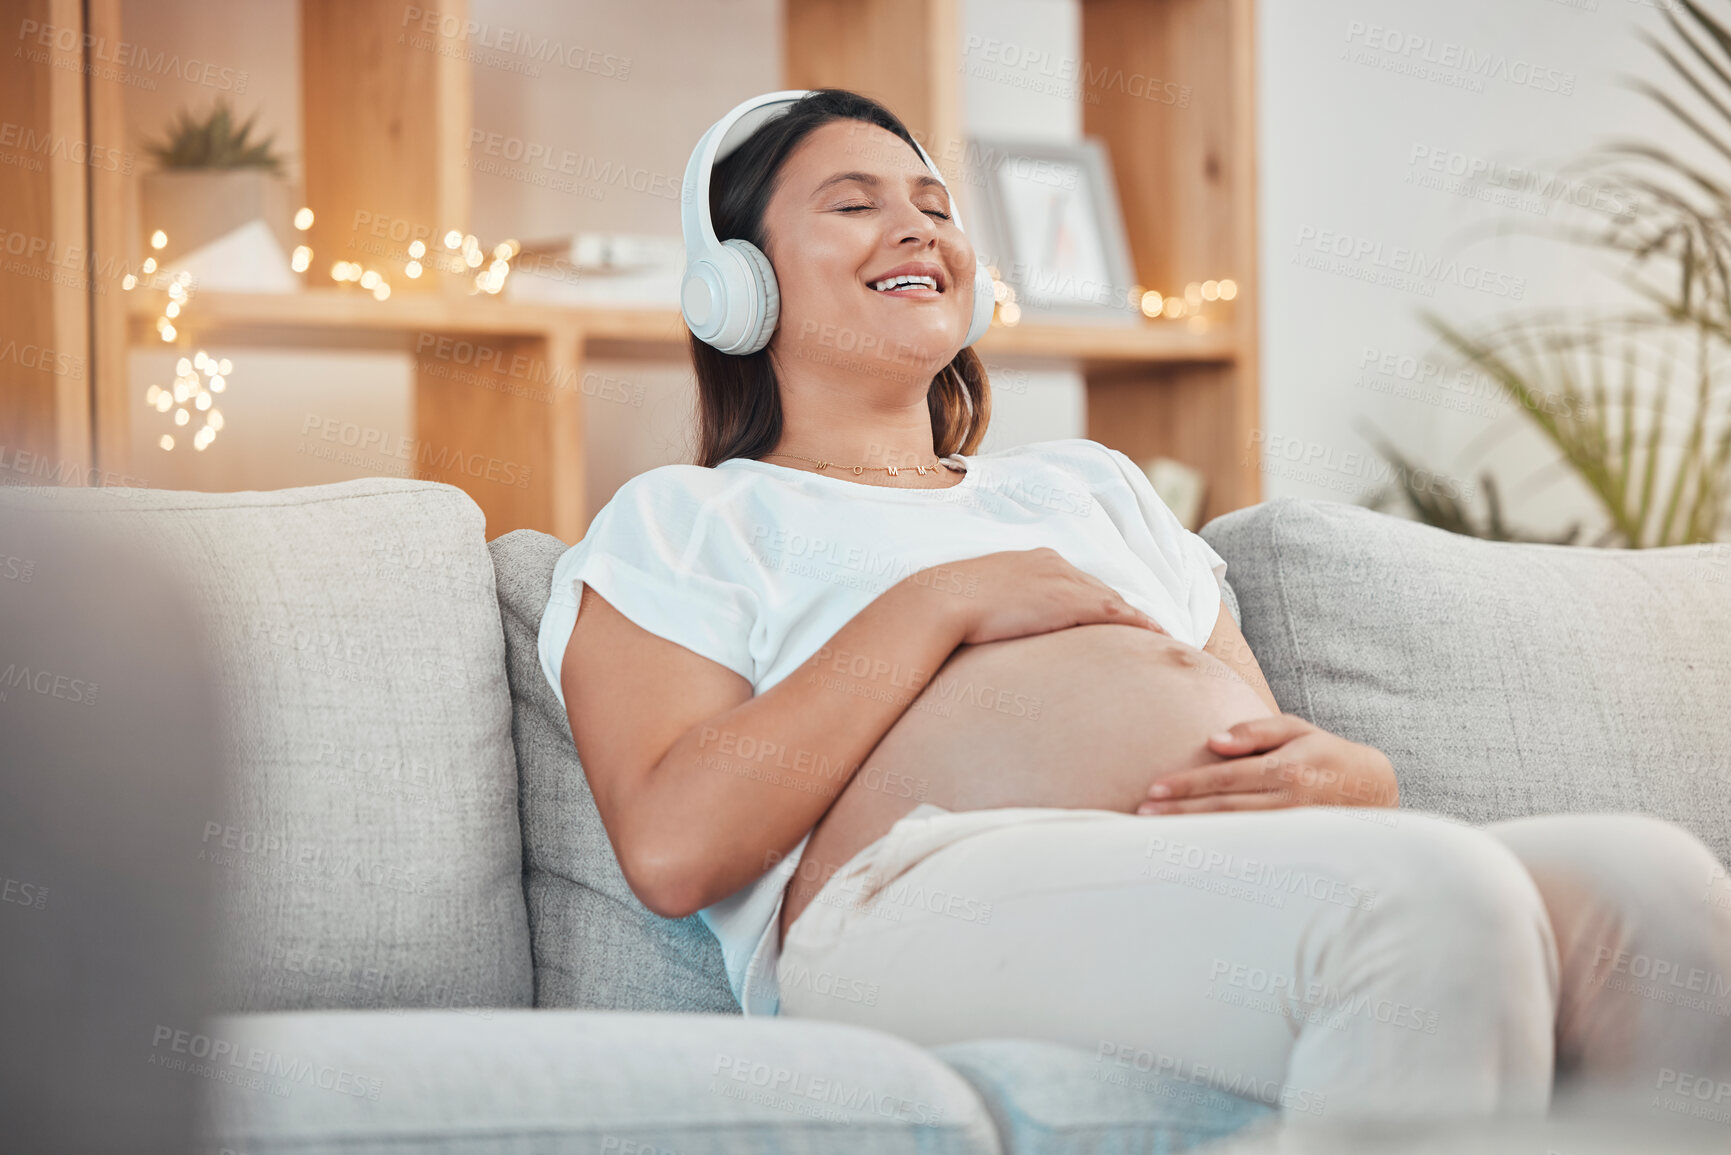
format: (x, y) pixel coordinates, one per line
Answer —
(1276, 762)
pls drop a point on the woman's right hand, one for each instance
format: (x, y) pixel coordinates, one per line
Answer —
(1014, 593)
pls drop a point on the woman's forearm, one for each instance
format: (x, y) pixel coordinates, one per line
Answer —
(740, 789)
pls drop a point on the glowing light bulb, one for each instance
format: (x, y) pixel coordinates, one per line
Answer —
(182, 367)
(225, 366)
(181, 417)
(412, 270)
(417, 249)
(199, 358)
(151, 394)
(158, 240)
(302, 259)
(472, 257)
(370, 279)
(1228, 289)
(1174, 307)
(1010, 313)
(218, 383)
(502, 251)
(168, 331)
(1151, 303)
(166, 441)
(214, 419)
(128, 282)
(383, 292)
(149, 265)
(164, 401)
(304, 219)
(453, 239)
(202, 401)
(340, 271)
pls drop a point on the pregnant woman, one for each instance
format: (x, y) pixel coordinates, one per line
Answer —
(963, 745)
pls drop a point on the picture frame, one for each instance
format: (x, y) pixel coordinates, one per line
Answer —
(1054, 228)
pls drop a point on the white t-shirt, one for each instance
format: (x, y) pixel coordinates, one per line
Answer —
(755, 566)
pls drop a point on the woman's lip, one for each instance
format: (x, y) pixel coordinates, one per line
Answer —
(907, 292)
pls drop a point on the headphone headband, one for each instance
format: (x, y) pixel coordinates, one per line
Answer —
(725, 136)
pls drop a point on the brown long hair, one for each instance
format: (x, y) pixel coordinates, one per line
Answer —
(739, 398)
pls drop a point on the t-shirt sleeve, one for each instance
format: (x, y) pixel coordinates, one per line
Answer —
(1199, 571)
(648, 554)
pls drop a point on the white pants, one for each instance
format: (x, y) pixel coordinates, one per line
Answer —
(1344, 963)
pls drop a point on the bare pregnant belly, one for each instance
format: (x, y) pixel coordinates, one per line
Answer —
(1084, 718)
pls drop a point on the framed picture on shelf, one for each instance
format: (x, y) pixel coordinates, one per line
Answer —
(1055, 231)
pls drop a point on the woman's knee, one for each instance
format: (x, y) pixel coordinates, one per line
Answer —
(1634, 859)
(1466, 894)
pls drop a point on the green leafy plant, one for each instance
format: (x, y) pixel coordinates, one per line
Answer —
(1446, 511)
(1652, 446)
(1636, 401)
(214, 141)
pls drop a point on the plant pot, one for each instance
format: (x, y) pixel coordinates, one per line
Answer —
(196, 206)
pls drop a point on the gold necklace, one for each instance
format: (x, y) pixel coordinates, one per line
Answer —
(892, 470)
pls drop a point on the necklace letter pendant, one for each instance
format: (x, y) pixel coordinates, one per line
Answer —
(922, 470)
(892, 470)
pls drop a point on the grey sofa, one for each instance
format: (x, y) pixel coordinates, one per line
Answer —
(428, 945)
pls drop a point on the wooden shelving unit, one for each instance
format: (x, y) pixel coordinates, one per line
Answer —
(384, 130)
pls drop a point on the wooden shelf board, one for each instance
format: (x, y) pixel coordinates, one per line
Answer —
(1156, 341)
(340, 311)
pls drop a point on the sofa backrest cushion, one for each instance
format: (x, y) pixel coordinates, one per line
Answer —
(595, 944)
(366, 850)
(1501, 679)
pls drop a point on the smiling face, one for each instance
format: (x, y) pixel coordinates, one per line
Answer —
(854, 209)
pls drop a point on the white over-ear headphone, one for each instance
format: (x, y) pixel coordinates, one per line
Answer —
(729, 297)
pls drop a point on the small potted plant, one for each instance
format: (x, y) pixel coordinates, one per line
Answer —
(212, 178)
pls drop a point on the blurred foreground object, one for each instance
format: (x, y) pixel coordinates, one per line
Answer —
(109, 755)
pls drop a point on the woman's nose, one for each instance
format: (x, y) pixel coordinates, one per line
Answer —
(912, 221)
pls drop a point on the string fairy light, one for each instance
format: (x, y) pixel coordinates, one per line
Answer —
(197, 380)
(1151, 303)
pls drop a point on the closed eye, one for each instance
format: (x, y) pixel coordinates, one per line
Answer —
(939, 213)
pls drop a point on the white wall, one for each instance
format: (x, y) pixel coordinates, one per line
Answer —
(1347, 130)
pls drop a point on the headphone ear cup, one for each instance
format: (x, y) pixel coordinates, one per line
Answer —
(759, 297)
(984, 302)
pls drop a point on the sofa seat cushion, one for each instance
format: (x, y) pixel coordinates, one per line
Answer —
(526, 1082)
(1054, 1099)
(1501, 679)
(366, 850)
(595, 945)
